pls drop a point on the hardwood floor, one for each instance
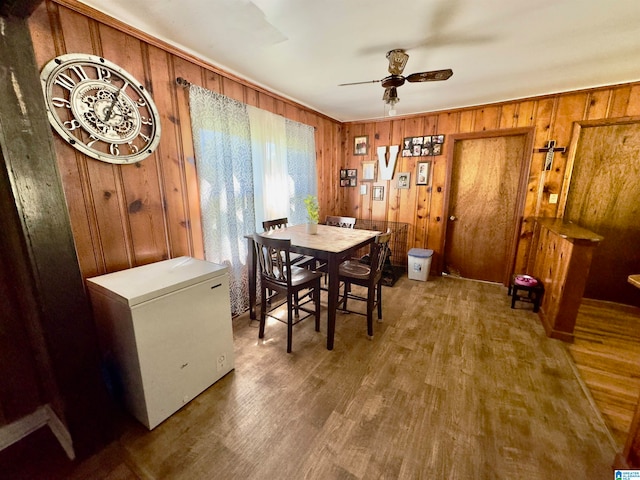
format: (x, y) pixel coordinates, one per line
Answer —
(455, 384)
(607, 355)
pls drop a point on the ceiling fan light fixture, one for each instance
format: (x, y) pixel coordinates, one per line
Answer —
(390, 98)
(397, 61)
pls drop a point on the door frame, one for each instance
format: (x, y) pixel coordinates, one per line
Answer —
(523, 177)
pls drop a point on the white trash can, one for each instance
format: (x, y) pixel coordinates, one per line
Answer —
(419, 263)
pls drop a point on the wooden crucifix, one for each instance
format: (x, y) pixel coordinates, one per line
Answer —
(550, 148)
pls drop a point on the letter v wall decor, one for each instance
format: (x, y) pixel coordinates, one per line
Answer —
(387, 168)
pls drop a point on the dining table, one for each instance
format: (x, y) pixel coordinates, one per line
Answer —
(330, 244)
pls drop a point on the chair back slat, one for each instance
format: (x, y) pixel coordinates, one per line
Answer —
(380, 251)
(274, 224)
(344, 222)
(273, 258)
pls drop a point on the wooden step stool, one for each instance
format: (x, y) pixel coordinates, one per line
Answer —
(533, 288)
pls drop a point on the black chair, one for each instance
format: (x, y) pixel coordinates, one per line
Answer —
(296, 258)
(344, 222)
(366, 275)
(279, 275)
(334, 221)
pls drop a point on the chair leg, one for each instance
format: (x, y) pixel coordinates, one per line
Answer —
(370, 307)
(289, 324)
(263, 313)
(316, 299)
(296, 300)
(379, 288)
(347, 289)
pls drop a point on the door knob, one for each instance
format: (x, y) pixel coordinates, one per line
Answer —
(453, 217)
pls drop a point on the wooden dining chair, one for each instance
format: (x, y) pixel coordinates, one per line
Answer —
(279, 275)
(296, 258)
(334, 221)
(344, 222)
(366, 275)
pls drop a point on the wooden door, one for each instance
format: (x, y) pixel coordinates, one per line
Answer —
(604, 197)
(486, 175)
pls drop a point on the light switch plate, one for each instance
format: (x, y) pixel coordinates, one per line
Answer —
(553, 198)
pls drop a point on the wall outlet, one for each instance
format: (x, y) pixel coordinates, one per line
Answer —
(553, 198)
(222, 362)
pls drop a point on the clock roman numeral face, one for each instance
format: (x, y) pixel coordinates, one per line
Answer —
(100, 109)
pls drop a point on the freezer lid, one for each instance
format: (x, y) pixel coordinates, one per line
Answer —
(140, 284)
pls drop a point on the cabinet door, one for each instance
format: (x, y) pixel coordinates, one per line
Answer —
(180, 338)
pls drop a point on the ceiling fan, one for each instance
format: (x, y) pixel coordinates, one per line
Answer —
(397, 61)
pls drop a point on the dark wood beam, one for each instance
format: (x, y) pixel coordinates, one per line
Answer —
(18, 8)
(42, 252)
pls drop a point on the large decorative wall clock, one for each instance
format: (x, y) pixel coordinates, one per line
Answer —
(100, 108)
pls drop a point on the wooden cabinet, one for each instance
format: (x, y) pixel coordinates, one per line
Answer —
(561, 254)
(165, 330)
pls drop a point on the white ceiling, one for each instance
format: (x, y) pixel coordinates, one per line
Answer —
(498, 49)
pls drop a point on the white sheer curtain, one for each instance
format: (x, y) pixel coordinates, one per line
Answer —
(252, 166)
(269, 154)
(301, 168)
(222, 142)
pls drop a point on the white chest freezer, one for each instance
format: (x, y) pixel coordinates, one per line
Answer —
(165, 329)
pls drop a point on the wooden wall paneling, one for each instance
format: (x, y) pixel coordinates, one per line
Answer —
(206, 79)
(42, 35)
(405, 198)
(423, 205)
(339, 157)
(76, 31)
(346, 159)
(568, 108)
(378, 207)
(185, 154)
(528, 116)
(620, 97)
(44, 25)
(363, 202)
(141, 196)
(544, 111)
(598, 104)
(448, 124)
(324, 166)
(382, 138)
(487, 118)
(467, 121)
(633, 107)
(509, 115)
(279, 108)
(258, 99)
(415, 127)
(173, 195)
(526, 113)
(232, 89)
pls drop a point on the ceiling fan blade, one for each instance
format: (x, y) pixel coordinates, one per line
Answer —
(432, 76)
(358, 83)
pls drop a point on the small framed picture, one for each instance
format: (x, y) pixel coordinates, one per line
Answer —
(344, 182)
(404, 180)
(363, 189)
(352, 173)
(353, 182)
(424, 173)
(369, 170)
(343, 173)
(378, 192)
(360, 145)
